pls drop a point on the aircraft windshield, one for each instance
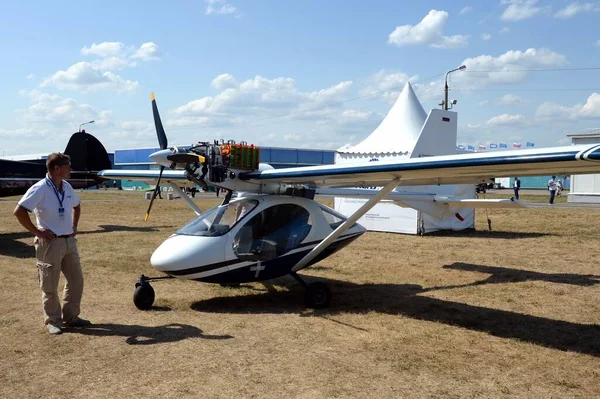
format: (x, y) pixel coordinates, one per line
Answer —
(218, 220)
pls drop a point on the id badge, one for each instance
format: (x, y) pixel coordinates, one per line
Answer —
(61, 213)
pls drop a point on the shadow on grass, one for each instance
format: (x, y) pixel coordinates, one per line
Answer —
(408, 300)
(506, 275)
(9, 245)
(144, 335)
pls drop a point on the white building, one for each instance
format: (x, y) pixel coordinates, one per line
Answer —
(585, 188)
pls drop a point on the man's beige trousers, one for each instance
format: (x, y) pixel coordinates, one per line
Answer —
(54, 256)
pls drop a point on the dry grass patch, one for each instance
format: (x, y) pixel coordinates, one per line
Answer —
(513, 312)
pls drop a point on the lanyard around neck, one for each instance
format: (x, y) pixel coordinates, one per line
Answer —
(56, 192)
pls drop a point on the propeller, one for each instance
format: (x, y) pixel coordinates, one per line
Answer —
(162, 141)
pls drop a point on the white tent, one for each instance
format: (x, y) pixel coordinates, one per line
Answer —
(408, 132)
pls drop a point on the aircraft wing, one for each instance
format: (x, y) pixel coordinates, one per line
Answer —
(436, 170)
(147, 176)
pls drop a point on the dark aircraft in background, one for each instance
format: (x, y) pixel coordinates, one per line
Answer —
(88, 156)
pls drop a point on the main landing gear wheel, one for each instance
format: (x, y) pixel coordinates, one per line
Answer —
(317, 295)
(143, 296)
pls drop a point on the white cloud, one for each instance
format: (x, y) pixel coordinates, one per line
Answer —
(552, 111)
(23, 133)
(466, 10)
(30, 76)
(270, 96)
(505, 119)
(224, 81)
(389, 84)
(385, 80)
(598, 43)
(147, 51)
(576, 8)
(86, 77)
(97, 74)
(249, 108)
(355, 115)
(112, 63)
(510, 99)
(427, 32)
(486, 36)
(105, 49)
(506, 29)
(115, 55)
(520, 9)
(506, 68)
(221, 7)
(54, 109)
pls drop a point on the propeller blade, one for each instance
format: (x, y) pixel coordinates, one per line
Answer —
(156, 191)
(160, 131)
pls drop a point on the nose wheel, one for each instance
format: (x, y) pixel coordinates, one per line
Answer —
(143, 296)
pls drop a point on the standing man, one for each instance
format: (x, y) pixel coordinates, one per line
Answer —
(57, 210)
(552, 188)
(517, 187)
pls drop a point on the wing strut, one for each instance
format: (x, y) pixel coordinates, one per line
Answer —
(344, 226)
(187, 199)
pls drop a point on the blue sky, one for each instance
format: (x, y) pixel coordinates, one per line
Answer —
(310, 74)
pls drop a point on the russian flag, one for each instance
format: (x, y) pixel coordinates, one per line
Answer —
(516, 145)
(530, 144)
(481, 147)
(493, 145)
(503, 145)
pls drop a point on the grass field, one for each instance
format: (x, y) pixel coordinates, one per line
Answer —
(514, 312)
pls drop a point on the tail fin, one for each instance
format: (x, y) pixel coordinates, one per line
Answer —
(87, 153)
(438, 135)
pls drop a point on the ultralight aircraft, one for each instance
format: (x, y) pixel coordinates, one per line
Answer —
(275, 228)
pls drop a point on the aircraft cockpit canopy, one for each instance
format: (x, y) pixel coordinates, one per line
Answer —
(218, 220)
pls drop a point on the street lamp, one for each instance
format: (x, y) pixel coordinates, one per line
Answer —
(84, 124)
(460, 68)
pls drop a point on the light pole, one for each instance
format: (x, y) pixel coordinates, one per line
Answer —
(84, 124)
(460, 68)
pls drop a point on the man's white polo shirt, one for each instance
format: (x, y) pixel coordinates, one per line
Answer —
(42, 200)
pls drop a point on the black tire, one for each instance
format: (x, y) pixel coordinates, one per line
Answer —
(317, 296)
(143, 296)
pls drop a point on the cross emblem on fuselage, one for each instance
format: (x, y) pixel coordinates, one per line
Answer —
(258, 268)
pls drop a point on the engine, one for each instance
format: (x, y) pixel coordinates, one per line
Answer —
(221, 157)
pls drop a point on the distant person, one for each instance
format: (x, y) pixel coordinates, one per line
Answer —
(559, 188)
(552, 188)
(517, 187)
(57, 209)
